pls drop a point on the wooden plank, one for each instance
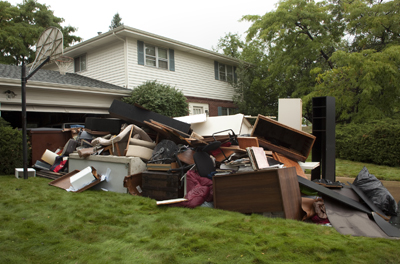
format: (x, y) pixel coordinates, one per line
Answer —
(245, 142)
(289, 163)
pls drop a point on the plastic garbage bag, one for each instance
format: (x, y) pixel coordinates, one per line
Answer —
(376, 192)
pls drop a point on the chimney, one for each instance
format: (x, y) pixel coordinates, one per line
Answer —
(99, 33)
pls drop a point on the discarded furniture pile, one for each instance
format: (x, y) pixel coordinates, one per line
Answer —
(222, 162)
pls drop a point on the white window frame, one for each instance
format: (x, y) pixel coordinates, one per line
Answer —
(156, 57)
(228, 75)
(80, 57)
(203, 107)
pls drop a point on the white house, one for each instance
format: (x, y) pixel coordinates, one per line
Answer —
(128, 57)
(53, 98)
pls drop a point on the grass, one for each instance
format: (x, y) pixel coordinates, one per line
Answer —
(44, 224)
(346, 168)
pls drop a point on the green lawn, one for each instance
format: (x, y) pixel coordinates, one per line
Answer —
(44, 224)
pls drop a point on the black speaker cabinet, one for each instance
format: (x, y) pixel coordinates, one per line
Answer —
(323, 128)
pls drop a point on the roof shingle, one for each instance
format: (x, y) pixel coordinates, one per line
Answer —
(14, 72)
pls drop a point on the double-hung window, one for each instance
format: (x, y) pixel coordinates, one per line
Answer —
(157, 57)
(224, 72)
(80, 63)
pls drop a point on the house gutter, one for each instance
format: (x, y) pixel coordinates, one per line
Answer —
(125, 58)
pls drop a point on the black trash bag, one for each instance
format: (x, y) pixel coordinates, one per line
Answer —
(164, 152)
(376, 192)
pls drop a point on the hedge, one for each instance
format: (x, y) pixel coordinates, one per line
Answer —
(11, 155)
(376, 142)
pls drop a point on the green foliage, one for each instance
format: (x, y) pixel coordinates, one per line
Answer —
(50, 225)
(11, 155)
(116, 21)
(365, 84)
(3, 123)
(373, 24)
(347, 49)
(21, 26)
(254, 95)
(160, 98)
(373, 142)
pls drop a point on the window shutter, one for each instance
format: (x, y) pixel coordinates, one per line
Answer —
(234, 75)
(216, 70)
(219, 110)
(171, 60)
(140, 50)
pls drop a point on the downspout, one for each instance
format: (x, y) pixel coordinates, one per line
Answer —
(125, 59)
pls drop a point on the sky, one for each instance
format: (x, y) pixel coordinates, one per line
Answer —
(199, 23)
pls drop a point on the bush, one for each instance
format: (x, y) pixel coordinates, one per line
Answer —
(373, 142)
(11, 155)
(159, 98)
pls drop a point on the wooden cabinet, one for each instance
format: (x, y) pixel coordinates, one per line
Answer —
(271, 190)
(46, 138)
(278, 137)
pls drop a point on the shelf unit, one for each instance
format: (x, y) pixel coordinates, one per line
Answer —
(323, 129)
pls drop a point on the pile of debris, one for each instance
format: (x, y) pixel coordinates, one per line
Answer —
(222, 162)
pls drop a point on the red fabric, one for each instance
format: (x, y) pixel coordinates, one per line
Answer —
(199, 189)
(215, 152)
(60, 166)
(316, 219)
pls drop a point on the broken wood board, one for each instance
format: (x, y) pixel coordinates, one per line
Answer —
(289, 163)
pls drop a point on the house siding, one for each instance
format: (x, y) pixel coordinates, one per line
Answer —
(106, 64)
(193, 75)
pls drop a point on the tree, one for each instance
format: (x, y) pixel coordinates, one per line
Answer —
(160, 98)
(116, 21)
(252, 94)
(365, 84)
(21, 27)
(332, 47)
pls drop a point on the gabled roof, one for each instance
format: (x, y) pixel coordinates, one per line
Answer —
(124, 31)
(54, 77)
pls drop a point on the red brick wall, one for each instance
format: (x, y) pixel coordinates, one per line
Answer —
(213, 104)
